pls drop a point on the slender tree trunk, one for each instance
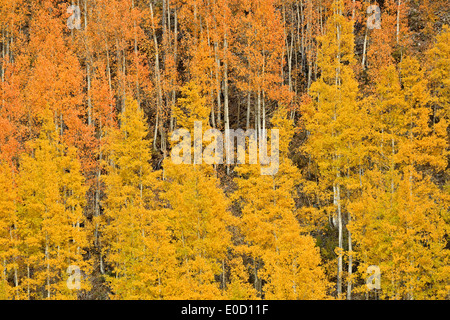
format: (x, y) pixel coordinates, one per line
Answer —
(225, 105)
(258, 118)
(88, 69)
(263, 116)
(48, 266)
(223, 275)
(108, 68)
(248, 110)
(398, 21)
(16, 277)
(3, 64)
(350, 262)
(158, 77)
(363, 62)
(175, 49)
(340, 237)
(353, 11)
(28, 282)
(136, 60)
(124, 78)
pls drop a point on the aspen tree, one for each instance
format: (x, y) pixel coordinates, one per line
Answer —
(285, 256)
(8, 235)
(137, 249)
(331, 119)
(197, 210)
(439, 75)
(50, 217)
(400, 220)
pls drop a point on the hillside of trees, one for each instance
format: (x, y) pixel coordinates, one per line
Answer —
(93, 90)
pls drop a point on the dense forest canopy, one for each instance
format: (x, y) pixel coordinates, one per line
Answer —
(93, 207)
